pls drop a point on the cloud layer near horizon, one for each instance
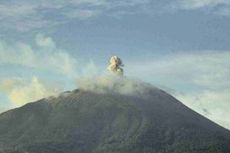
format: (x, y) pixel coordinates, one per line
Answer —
(218, 7)
(21, 92)
(28, 15)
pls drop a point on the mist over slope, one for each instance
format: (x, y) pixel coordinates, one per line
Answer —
(110, 115)
(115, 84)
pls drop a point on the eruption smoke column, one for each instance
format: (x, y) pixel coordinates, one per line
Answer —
(115, 65)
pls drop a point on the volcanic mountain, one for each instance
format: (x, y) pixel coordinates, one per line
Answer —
(134, 118)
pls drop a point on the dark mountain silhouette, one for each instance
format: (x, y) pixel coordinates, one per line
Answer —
(83, 121)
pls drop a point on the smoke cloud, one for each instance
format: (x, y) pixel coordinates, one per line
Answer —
(115, 65)
(109, 83)
(114, 81)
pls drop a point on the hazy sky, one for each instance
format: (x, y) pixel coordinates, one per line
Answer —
(181, 46)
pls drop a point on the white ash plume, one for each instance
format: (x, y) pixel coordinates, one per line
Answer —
(115, 66)
(114, 83)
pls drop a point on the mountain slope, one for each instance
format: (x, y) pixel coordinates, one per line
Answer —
(88, 122)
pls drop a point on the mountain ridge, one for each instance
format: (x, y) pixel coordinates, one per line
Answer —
(83, 121)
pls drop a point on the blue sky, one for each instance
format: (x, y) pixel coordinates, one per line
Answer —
(181, 46)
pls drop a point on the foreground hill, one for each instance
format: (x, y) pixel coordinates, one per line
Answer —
(84, 121)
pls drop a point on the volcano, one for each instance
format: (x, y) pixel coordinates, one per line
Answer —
(84, 121)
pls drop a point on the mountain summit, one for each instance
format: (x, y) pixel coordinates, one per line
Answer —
(133, 118)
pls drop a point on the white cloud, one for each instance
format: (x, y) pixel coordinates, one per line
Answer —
(199, 80)
(20, 17)
(30, 15)
(90, 2)
(16, 10)
(213, 104)
(195, 4)
(220, 7)
(43, 41)
(207, 69)
(82, 14)
(45, 56)
(21, 91)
